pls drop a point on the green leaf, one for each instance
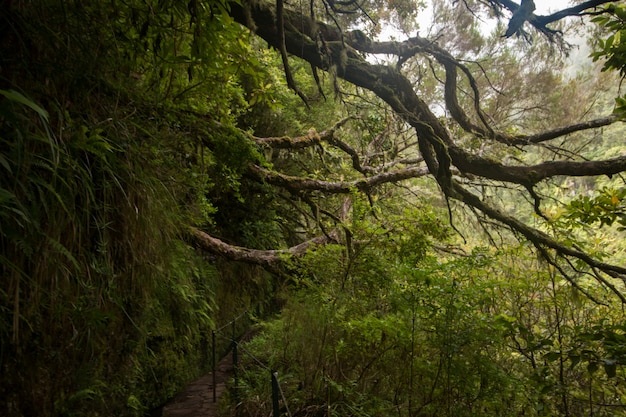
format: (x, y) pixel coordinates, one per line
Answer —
(552, 356)
(610, 367)
(20, 98)
(574, 359)
(592, 367)
(5, 163)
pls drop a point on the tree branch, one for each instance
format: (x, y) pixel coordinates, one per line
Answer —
(280, 25)
(314, 138)
(415, 45)
(298, 184)
(435, 143)
(538, 238)
(272, 260)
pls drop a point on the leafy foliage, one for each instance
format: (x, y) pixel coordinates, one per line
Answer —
(106, 156)
(457, 337)
(613, 48)
(123, 123)
(606, 208)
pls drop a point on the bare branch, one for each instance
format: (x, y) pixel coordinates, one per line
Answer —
(540, 22)
(269, 259)
(562, 131)
(438, 149)
(314, 138)
(417, 45)
(296, 184)
(280, 25)
(311, 138)
(538, 238)
(577, 10)
(533, 174)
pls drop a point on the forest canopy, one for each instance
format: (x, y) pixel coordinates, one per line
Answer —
(422, 202)
(476, 116)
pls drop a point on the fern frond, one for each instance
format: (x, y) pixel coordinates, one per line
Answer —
(61, 249)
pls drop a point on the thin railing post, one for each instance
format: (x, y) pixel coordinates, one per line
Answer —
(275, 404)
(214, 367)
(236, 382)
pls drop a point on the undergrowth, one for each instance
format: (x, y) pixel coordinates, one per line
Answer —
(104, 307)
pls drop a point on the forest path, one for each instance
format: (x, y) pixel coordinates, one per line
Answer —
(196, 400)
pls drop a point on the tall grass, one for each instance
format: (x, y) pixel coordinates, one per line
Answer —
(104, 310)
(97, 282)
(105, 108)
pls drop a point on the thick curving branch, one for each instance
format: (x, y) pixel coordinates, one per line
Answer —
(310, 139)
(272, 260)
(298, 184)
(531, 175)
(418, 45)
(360, 162)
(540, 22)
(541, 240)
(437, 147)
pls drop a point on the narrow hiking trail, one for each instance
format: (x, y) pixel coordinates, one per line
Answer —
(196, 400)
